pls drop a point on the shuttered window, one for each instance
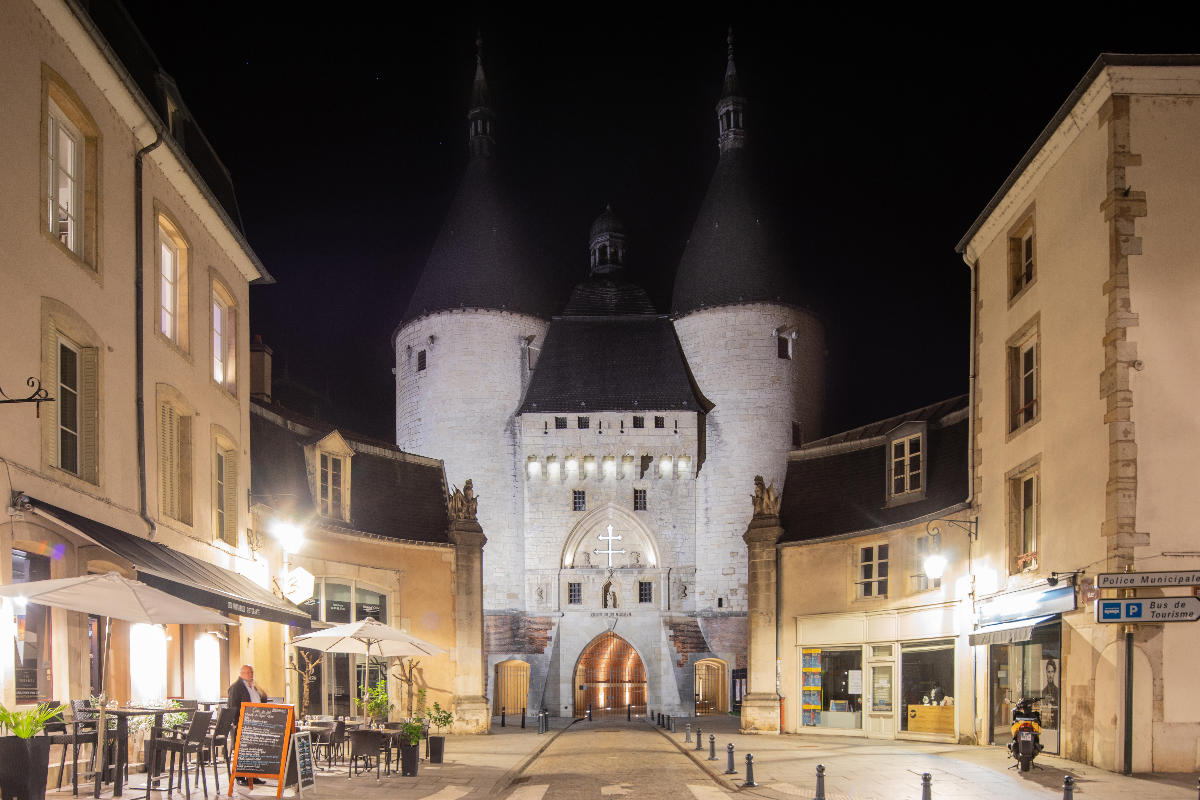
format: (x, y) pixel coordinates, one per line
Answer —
(225, 487)
(77, 404)
(174, 463)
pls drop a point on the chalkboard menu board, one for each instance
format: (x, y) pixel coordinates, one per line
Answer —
(261, 751)
(301, 771)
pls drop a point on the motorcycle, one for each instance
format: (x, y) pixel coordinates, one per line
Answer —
(1026, 733)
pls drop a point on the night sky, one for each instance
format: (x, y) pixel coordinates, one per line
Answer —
(882, 140)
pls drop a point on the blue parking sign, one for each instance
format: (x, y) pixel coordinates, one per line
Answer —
(1133, 610)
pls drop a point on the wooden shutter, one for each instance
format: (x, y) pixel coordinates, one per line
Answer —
(167, 460)
(231, 494)
(183, 475)
(89, 414)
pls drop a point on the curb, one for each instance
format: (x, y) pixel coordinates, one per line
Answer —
(718, 777)
(507, 778)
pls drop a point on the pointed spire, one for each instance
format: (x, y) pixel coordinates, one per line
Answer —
(731, 108)
(480, 116)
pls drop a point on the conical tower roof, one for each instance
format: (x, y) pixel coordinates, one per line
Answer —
(480, 258)
(732, 255)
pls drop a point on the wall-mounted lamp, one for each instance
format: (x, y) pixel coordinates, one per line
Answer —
(1070, 575)
(935, 563)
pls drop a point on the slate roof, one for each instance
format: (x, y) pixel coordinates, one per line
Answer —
(838, 485)
(607, 295)
(731, 255)
(613, 363)
(394, 494)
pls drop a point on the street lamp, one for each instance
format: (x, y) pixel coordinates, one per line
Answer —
(289, 534)
(935, 562)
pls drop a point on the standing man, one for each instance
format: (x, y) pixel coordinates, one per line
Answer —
(244, 690)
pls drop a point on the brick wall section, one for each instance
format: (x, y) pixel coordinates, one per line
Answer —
(726, 635)
(517, 633)
(687, 637)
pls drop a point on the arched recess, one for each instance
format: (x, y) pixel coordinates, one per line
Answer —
(609, 677)
(712, 686)
(636, 539)
(511, 687)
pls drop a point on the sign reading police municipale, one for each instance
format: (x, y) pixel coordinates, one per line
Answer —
(1140, 580)
(1158, 609)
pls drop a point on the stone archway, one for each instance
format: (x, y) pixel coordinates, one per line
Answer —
(610, 677)
(712, 686)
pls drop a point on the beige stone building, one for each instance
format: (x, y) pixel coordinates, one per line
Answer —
(1084, 429)
(872, 641)
(126, 278)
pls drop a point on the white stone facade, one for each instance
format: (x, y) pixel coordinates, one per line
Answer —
(462, 406)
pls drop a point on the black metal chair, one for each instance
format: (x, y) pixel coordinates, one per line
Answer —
(333, 742)
(184, 746)
(368, 745)
(218, 738)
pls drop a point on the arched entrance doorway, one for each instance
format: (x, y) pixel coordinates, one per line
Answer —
(712, 687)
(610, 677)
(511, 688)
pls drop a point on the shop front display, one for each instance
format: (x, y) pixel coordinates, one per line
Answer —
(927, 687)
(832, 687)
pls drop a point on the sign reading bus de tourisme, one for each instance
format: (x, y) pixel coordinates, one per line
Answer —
(1147, 580)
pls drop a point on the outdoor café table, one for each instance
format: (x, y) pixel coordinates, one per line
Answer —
(122, 715)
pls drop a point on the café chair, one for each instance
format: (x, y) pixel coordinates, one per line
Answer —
(218, 738)
(184, 745)
(332, 741)
(368, 745)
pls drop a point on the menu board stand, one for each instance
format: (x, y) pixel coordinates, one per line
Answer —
(301, 770)
(261, 750)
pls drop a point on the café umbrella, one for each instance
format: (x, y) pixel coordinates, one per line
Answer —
(113, 595)
(367, 637)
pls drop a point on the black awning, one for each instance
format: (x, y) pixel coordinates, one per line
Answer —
(182, 575)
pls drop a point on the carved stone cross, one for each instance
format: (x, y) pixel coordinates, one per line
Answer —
(610, 539)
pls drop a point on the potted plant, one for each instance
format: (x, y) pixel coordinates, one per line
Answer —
(410, 748)
(25, 756)
(438, 718)
(376, 703)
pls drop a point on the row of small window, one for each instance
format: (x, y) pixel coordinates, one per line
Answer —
(631, 468)
(584, 423)
(575, 592)
(579, 500)
(71, 159)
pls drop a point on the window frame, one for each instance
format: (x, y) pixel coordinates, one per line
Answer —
(578, 500)
(639, 421)
(923, 546)
(583, 423)
(1024, 387)
(61, 324)
(660, 422)
(61, 343)
(225, 472)
(225, 338)
(1024, 544)
(327, 465)
(560, 423)
(58, 126)
(62, 106)
(639, 499)
(1022, 257)
(169, 236)
(176, 487)
(861, 581)
(574, 593)
(645, 592)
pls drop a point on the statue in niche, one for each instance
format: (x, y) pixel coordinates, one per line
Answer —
(541, 593)
(463, 503)
(637, 558)
(682, 589)
(609, 596)
(765, 499)
(587, 558)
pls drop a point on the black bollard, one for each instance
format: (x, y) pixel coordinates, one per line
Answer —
(730, 770)
(523, 717)
(1068, 788)
(699, 738)
(502, 723)
(629, 713)
(749, 771)
(672, 724)
(687, 734)
(712, 747)
(820, 795)
(589, 712)
(926, 786)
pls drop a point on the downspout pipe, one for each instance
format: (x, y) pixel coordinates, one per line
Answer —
(972, 379)
(139, 336)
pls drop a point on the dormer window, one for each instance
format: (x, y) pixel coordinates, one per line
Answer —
(332, 470)
(906, 463)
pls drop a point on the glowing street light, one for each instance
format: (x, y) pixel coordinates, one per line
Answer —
(289, 534)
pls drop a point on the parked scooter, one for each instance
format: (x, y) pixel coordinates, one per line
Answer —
(1026, 733)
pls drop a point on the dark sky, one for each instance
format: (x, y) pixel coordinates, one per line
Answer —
(882, 139)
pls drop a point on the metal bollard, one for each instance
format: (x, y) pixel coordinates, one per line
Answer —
(820, 795)
(672, 724)
(687, 734)
(712, 747)
(629, 713)
(749, 771)
(523, 717)
(730, 770)
(501, 716)
(1068, 788)
(926, 786)
(589, 712)
(699, 738)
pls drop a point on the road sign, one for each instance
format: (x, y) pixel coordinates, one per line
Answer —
(1149, 609)
(1143, 580)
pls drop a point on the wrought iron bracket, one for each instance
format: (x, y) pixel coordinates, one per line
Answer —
(38, 395)
(971, 526)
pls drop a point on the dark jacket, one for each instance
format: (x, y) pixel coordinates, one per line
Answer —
(238, 694)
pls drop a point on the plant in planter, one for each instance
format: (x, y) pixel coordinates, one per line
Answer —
(25, 756)
(376, 703)
(438, 718)
(410, 747)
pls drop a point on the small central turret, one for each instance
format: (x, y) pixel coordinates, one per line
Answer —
(606, 243)
(480, 116)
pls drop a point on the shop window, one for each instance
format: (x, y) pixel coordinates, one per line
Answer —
(832, 688)
(147, 664)
(1028, 669)
(207, 652)
(927, 687)
(873, 571)
(33, 666)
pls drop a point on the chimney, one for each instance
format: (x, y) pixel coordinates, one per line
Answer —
(260, 371)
